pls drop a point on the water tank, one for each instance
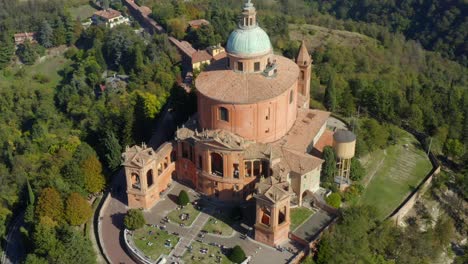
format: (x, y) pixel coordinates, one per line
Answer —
(344, 144)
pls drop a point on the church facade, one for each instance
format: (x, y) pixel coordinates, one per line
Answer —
(250, 139)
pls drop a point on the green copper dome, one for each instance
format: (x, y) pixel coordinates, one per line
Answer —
(248, 41)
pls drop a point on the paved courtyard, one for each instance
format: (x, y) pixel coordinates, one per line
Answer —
(260, 253)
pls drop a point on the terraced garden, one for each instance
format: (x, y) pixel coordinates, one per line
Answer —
(393, 173)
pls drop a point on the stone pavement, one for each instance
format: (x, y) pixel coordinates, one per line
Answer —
(185, 241)
(261, 254)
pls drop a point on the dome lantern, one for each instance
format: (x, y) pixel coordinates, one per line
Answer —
(248, 39)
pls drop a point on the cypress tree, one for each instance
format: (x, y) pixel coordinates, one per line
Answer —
(113, 150)
(330, 94)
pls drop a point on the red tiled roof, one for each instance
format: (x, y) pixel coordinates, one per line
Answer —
(222, 84)
(108, 14)
(198, 23)
(325, 140)
(200, 56)
(307, 126)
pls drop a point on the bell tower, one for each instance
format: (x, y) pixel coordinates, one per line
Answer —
(140, 169)
(304, 61)
(272, 211)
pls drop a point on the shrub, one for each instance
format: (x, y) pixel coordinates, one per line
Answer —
(134, 219)
(334, 200)
(237, 254)
(41, 78)
(183, 198)
(78, 210)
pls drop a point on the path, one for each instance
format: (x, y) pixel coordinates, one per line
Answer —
(13, 253)
(187, 239)
(112, 216)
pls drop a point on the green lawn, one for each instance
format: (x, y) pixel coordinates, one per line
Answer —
(174, 216)
(298, 216)
(153, 245)
(82, 12)
(49, 67)
(195, 256)
(392, 174)
(219, 225)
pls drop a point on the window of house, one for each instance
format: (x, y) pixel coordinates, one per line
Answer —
(302, 75)
(228, 62)
(257, 66)
(240, 66)
(250, 21)
(223, 114)
(291, 96)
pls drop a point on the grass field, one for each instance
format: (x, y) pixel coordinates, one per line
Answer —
(188, 209)
(82, 12)
(195, 256)
(153, 245)
(316, 36)
(218, 225)
(298, 216)
(392, 174)
(49, 67)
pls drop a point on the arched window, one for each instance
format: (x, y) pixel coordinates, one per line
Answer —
(282, 215)
(149, 178)
(223, 114)
(135, 179)
(217, 164)
(265, 216)
(291, 96)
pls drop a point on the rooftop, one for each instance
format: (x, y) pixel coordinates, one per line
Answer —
(344, 136)
(304, 130)
(198, 22)
(108, 14)
(222, 84)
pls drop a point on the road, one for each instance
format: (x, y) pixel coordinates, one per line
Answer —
(112, 218)
(13, 252)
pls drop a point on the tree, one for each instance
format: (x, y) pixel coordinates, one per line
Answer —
(93, 179)
(334, 200)
(454, 148)
(113, 150)
(357, 170)
(60, 33)
(237, 254)
(6, 49)
(183, 198)
(44, 239)
(45, 34)
(329, 166)
(177, 27)
(27, 53)
(330, 94)
(34, 259)
(50, 204)
(134, 219)
(78, 210)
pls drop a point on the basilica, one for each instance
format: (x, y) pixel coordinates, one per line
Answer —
(251, 137)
